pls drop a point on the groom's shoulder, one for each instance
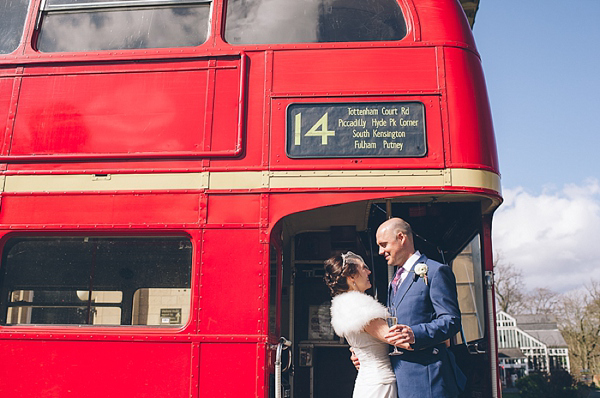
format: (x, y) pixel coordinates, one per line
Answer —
(433, 265)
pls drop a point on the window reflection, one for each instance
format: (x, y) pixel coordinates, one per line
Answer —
(12, 21)
(468, 269)
(161, 307)
(125, 29)
(293, 21)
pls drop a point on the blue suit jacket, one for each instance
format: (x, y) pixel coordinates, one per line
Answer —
(431, 310)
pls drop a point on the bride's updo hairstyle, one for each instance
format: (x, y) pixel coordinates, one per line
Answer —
(338, 268)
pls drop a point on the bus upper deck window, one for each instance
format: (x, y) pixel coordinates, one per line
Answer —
(311, 21)
(90, 25)
(12, 21)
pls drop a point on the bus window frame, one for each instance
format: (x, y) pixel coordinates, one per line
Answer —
(28, 53)
(404, 10)
(115, 5)
(190, 324)
(274, 289)
(24, 30)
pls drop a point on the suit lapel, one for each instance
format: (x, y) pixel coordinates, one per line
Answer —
(403, 289)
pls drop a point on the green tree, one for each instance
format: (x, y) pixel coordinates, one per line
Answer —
(533, 386)
(540, 385)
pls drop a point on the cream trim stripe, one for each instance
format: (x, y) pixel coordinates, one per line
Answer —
(105, 182)
(248, 180)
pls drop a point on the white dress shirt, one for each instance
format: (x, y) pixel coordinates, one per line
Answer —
(408, 265)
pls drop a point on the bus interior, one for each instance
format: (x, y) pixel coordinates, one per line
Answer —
(446, 230)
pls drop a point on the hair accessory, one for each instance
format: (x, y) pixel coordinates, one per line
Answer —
(349, 255)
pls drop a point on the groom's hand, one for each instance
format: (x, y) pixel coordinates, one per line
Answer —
(401, 336)
(354, 359)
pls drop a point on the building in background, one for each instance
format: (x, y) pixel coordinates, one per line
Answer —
(544, 328)
(529, 343)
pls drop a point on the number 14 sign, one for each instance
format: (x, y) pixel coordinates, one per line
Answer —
(319, 129)
(383, 129)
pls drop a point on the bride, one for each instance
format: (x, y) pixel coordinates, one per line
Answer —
(361, 320)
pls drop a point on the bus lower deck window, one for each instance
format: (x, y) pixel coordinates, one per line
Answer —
(96, 281)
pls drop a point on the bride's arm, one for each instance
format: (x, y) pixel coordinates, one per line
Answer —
(378, 328)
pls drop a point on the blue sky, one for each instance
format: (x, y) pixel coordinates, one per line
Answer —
(542, 66)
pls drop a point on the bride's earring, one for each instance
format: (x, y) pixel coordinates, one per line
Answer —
(351, 286)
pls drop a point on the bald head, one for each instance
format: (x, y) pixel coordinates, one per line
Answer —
(395, 225)
(395, 241)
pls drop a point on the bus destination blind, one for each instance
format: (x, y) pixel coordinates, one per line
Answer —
(383, 129)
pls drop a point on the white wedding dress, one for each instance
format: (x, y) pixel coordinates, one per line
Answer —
(350, 313)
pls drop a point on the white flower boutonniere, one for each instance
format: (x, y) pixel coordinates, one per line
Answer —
(421, 270)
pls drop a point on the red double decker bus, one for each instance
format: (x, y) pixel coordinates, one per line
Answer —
(174, 173)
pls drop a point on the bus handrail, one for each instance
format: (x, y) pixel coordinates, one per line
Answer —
(284, 344)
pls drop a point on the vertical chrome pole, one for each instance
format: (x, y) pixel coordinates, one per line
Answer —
(284, 344)
(388, 213)
(489, 285)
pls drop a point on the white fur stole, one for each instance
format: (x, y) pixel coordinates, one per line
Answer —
(352, 311)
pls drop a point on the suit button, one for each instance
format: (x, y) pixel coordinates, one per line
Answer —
(435, 351)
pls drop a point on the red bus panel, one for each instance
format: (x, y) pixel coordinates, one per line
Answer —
(473, 143)
(434, 156)
(139, 109)
(103, 209)
(232, 282)
(95, 369)
(372, 71)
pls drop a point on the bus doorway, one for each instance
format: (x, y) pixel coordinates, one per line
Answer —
(447, 232)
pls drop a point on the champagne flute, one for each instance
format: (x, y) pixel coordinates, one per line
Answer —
(391, 321)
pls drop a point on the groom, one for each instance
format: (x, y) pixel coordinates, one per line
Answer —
(423, 294)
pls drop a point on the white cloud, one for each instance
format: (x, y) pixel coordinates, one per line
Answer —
(554, 237)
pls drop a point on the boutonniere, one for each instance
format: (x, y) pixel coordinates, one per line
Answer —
(421, 271)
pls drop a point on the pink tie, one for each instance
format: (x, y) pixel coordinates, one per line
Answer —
(396, 280)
